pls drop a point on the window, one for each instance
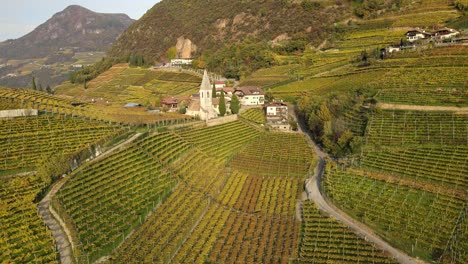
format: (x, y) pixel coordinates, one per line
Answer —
(202, 95)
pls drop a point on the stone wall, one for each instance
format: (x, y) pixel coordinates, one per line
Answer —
(222, 120)
(18, 113)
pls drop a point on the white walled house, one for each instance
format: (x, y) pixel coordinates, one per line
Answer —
(250, 95)
(446, 33)
(277, 116)
(277, 109)
(220, 84)
(414, 35)
(181, 62)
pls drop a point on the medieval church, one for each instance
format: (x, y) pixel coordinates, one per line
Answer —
(206, 107)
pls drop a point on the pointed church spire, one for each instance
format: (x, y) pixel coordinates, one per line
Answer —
(205, 85)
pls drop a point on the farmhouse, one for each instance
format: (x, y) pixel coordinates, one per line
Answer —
(445, 33)
(170, 103)
(414, 35)
(250, 95)
(277, 116)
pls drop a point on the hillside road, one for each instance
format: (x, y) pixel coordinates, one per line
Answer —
(315, 194)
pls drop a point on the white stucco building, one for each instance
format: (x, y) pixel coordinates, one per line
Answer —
(250, 95)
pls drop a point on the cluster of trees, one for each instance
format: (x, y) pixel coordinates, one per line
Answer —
(137, 60)
(90, 72)
(325, 117)
(240, 59)
(235, 103)
(461, 6)
(39, 87)
(370, 8)
(291, 47)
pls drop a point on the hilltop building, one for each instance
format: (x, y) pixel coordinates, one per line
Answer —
(181, 62)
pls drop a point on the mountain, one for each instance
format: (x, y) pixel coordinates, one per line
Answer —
(194, 26)
(73, 37)
(74, 27)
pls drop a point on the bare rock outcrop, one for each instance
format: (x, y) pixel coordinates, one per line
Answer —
(185, 48)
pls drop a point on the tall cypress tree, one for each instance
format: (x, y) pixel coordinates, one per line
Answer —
(214, 91)
(33, 84)
(222, 104)
(235, 104)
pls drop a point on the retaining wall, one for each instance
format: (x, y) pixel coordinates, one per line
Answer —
(18, 113)
(221, 120)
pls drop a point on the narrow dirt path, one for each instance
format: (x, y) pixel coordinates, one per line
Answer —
(61, 239)
(315, 194)
(52, 219)
(422, 107)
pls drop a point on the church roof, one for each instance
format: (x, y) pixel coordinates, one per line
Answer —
(205, 85)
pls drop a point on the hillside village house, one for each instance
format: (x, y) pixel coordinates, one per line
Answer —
(441, 34)
(220, 84)
(170, 103)
(277, 116)
(445, 33)
(250, 95)
(227, 91)
(414, 35)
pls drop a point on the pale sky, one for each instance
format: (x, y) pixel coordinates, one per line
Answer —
(19, 17)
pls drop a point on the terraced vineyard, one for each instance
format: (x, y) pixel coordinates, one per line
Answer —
(122, 84)
(24, 238)
(395, 127)
(234, 135)
(418, 221)
(255, 115)
(30, 99)
(105, 201)
(410, 182)
(219, 214)
(427, 86)
(325, 240)
(26, 140)
(439, 165)
(8, 104)
(275, 154)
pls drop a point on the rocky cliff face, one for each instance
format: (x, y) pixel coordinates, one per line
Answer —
(210, 24)
(75, 27)
(185, 48)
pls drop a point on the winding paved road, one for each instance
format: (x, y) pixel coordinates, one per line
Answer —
(314, 193)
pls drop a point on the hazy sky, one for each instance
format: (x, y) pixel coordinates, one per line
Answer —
(19, 17)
